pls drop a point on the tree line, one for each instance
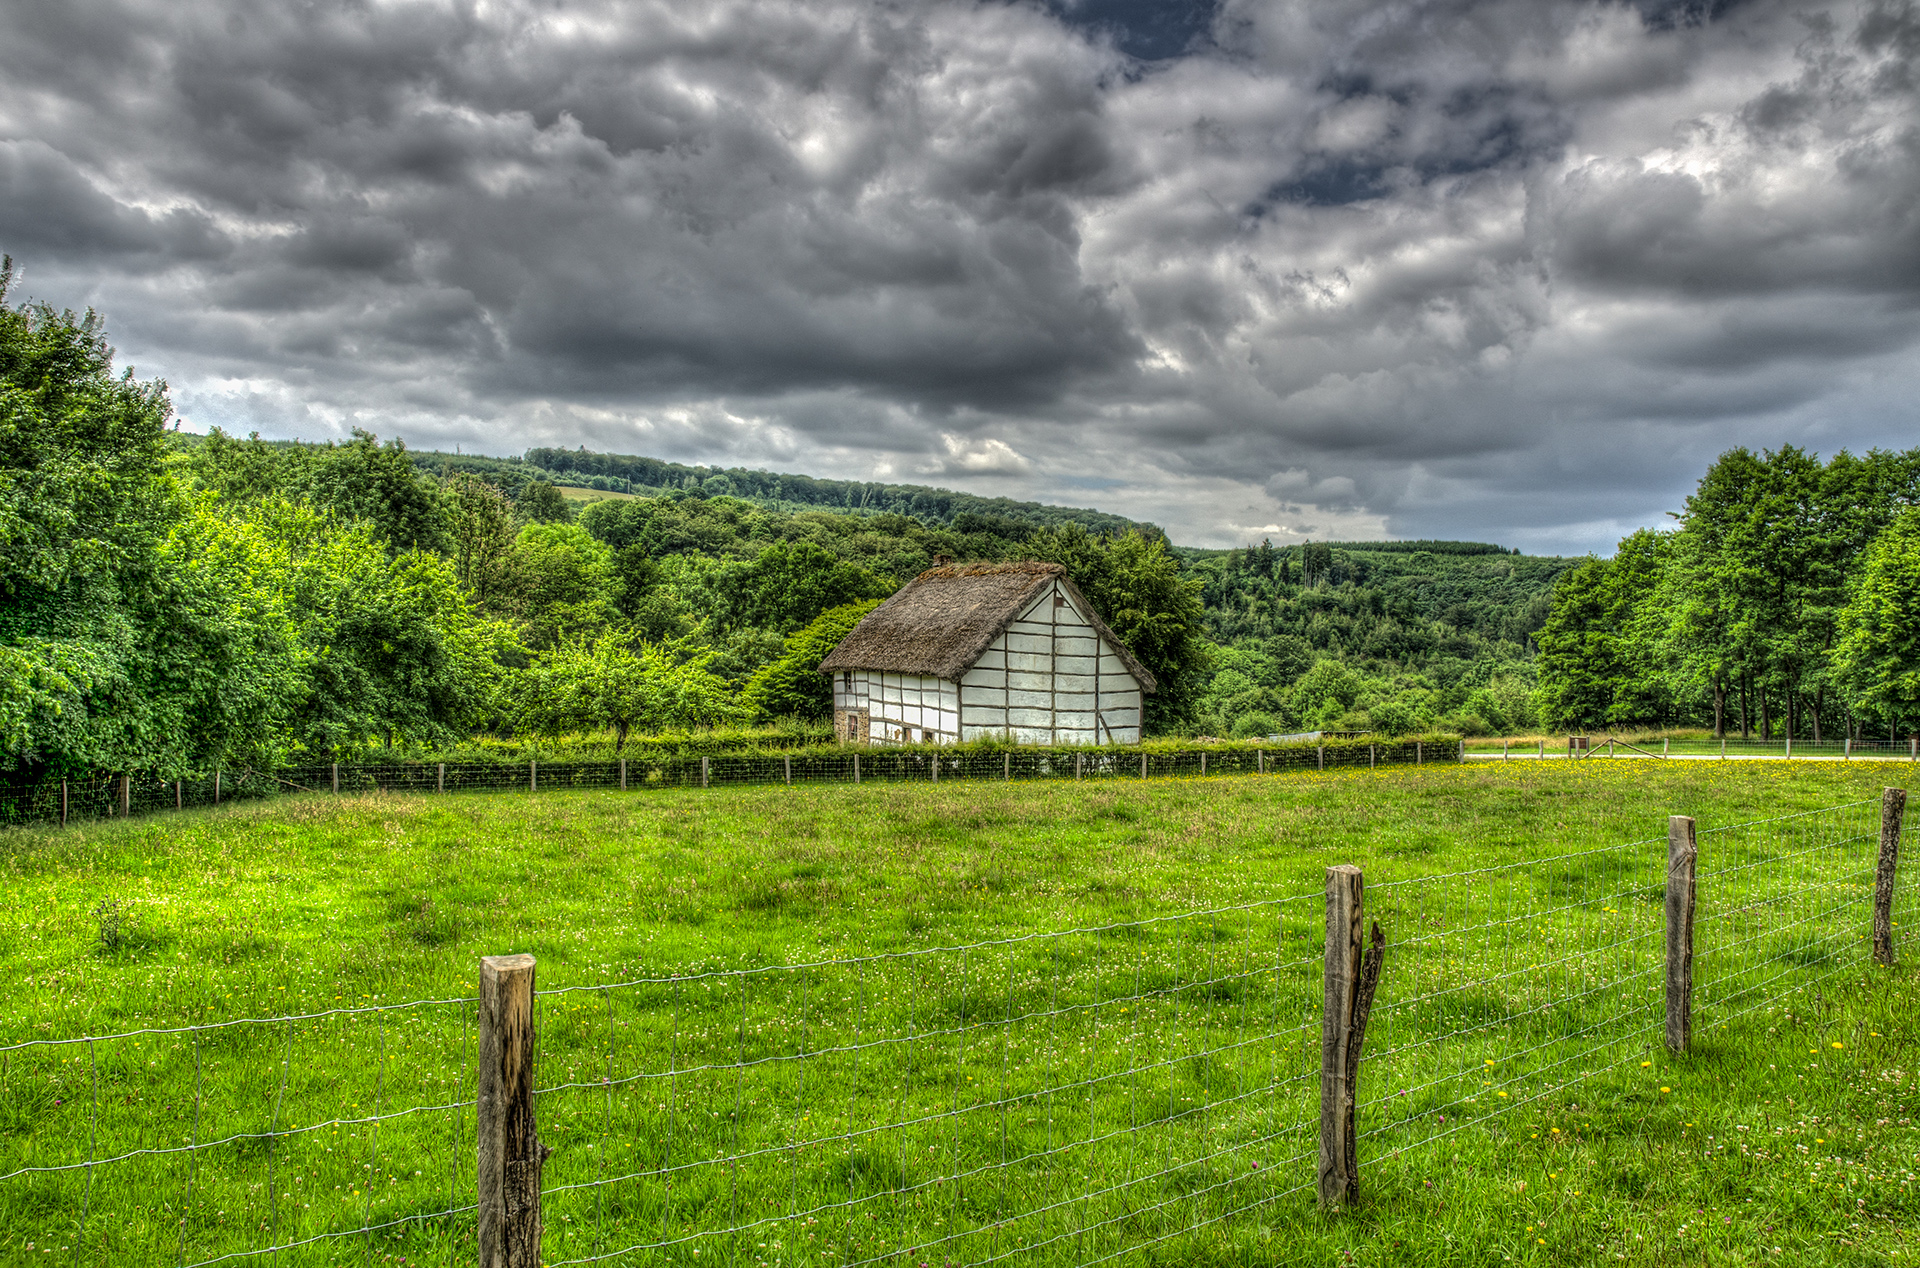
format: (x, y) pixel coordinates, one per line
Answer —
(1785, 602)
(177, 605)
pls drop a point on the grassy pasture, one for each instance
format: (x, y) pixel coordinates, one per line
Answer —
(1141, 1086)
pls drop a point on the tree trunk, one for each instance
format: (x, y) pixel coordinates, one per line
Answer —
(1766, 718)
(1819, 699)
(1746, 712)
(1719, 708)
(619, 736)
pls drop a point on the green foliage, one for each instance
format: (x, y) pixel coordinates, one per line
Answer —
(1746, 602)
(621, 683)
(1593, 646)
(1878, 655)
(541, 503)
(377, 485)
(482, 529)
(567, 591)
(793, 686)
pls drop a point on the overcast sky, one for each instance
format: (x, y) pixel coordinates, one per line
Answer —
(1501, 271)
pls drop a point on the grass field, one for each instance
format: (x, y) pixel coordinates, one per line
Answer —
(939, 1086)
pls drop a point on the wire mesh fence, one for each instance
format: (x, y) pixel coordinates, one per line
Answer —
(103, 796)
(1068, 1097)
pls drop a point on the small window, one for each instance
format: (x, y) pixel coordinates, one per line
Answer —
(846, 679)
(1059, 600)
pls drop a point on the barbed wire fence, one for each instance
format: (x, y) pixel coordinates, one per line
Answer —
(1068, 1097)
(102, 796)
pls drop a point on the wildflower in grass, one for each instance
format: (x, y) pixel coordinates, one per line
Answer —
(1666, 1089)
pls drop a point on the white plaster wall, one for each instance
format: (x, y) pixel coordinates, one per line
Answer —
(901, 708)
(1051, 679)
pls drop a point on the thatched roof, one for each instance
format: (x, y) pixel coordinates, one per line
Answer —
(939, 623)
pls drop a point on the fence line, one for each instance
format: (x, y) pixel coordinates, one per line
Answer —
(102, 796)
(1075, 1095)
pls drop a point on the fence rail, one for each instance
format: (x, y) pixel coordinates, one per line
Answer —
(104, 796)
(1072, 1096)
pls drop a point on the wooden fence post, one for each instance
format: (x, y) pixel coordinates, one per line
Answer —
(623, 774)
(126, 795)
(1369, 757)
(788, 761)
(1681, 855)
(1320, 757)
(1349, 986)
(533, 776)
(336, 777)
(1006, 767)
(440, 778)
(216, 788)
(1077, 758)
(1260, 761)
(1143, 766)
(63, 803)
(936, 766)
(178, 800)
(1417, 756)
(1893, 805)
(1203, 761)
(706, 771)
(1846, 750)
(510, 1151)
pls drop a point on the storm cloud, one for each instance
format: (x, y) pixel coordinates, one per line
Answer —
(1511, 271)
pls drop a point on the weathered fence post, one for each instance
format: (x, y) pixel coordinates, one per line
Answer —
(216, 788)
(1320, 757)
(1893, 805)
(1369, 757)
(1143, 766)
(510, 1150)
(533, 776)
(440, 778)
(1506, 750)
(1260, 761)
(336, 777)
(1349, 987)
(1006, 767)
(126, 795)
(706, 771)
(1666, 745)
(1416, 753)
(178, 800)
(63, 803)
(1203, 761)
(787, 760)
(1681, 854)
(1846, 750)
(623, 774)
(1076, 765)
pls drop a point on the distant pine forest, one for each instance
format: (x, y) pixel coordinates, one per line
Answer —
(179, 603)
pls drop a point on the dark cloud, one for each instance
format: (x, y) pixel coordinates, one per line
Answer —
(1489, 268)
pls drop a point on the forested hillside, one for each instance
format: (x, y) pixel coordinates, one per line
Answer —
(1786, 602)
(175, 603)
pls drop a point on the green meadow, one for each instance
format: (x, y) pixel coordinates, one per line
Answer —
(1047, 1023)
